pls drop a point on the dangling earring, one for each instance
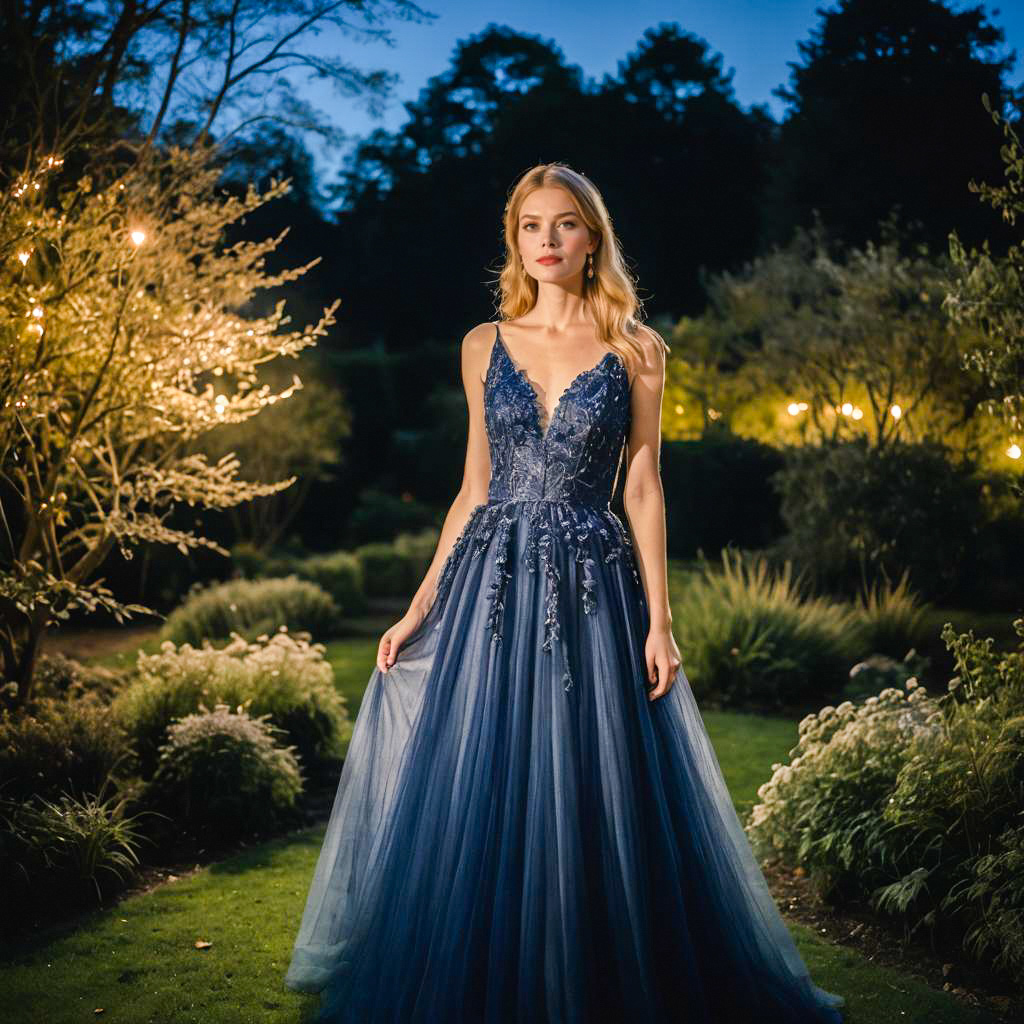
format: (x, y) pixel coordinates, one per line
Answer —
(590, 265)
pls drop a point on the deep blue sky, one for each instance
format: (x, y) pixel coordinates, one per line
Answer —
(755, 37)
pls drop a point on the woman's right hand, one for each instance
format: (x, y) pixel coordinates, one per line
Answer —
(394, 638)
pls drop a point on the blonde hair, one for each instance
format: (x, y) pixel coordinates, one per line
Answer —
(610, 296)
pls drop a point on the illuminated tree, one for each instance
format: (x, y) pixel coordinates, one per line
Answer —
(125, 336)
(987, 292)
(854, 345)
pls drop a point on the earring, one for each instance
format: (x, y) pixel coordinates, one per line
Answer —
(590, 265)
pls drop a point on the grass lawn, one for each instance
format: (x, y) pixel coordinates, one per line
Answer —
(137, 962)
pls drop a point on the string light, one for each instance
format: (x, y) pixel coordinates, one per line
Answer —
(1013, 451)
(138, 236)
(895, 411)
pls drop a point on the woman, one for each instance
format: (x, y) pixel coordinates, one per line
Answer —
(531, 823)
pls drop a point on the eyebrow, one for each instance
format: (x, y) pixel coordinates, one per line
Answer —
(536, 216)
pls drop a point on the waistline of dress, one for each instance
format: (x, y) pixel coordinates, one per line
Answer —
(574, 502)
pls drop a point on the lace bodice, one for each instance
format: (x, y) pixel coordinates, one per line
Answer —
(577, 457)
(559, 481)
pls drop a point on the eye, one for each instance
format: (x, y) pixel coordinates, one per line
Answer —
(533, 224)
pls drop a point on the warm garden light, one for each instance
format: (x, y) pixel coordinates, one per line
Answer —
(679, 410)
(895, 411)
(138, 237)
(37, 312)
(1013, 451)
(793, 408)
(858, 412)
(846, 408)
(24, 257)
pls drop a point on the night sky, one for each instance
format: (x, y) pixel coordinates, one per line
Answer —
(755, 37)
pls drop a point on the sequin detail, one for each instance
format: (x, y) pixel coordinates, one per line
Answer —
(559, 481)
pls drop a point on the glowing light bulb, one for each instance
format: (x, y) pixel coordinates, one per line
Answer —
(846, 408)
(1013, 451)
(793, 408)
(857, 413)
(895, 411)
(138, 237)
(24, 257)
(37, 312)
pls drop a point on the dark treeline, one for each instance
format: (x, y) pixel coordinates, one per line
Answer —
(884, 115)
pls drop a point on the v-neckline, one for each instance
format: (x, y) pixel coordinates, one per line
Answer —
(541, 431)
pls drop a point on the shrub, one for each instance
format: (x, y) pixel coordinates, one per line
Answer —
(419, 548)
(751, 637)
(826, 809)
(58, 746)
(992, 896)
(222, 775)
(250, 608)
(254, 563)
(386, 572)
(856, 512)
(717, 493)
(57, 675)
(378, 516)
(340, 574)
(868, 678)
(281, 676)
(913, 803)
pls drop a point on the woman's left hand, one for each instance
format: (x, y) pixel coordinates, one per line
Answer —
(663, 661)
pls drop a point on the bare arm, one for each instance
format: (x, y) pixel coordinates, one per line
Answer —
(644, 502)
(476, 477)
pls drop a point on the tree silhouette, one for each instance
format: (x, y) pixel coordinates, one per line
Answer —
(886, 112)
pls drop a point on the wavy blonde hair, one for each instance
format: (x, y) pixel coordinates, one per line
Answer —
(610, 296)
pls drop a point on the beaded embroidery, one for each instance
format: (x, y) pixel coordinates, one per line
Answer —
(561, 479)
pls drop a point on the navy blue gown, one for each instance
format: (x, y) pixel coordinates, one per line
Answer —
(519, 834)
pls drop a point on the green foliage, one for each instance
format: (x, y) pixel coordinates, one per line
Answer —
(222, 775)
(395, 569)
(338, 573)
(379, 516)
(65, 843)
(878, 672)
(992, 897)
(717, 493)
(254, 562)
(893, 619)
(285, 678)
(250, 608)
(123, 278)
(913, 803)
(857, 514)
(987, 291)
(851, 343)
(753, 638)
(57, 675)
(826, 808)
(59, 745)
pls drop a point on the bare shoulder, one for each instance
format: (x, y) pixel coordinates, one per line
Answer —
(654, 349)
(476, 348)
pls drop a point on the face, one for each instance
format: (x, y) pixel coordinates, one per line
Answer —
(553, 239)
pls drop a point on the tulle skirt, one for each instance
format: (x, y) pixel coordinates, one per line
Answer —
(520, 835)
